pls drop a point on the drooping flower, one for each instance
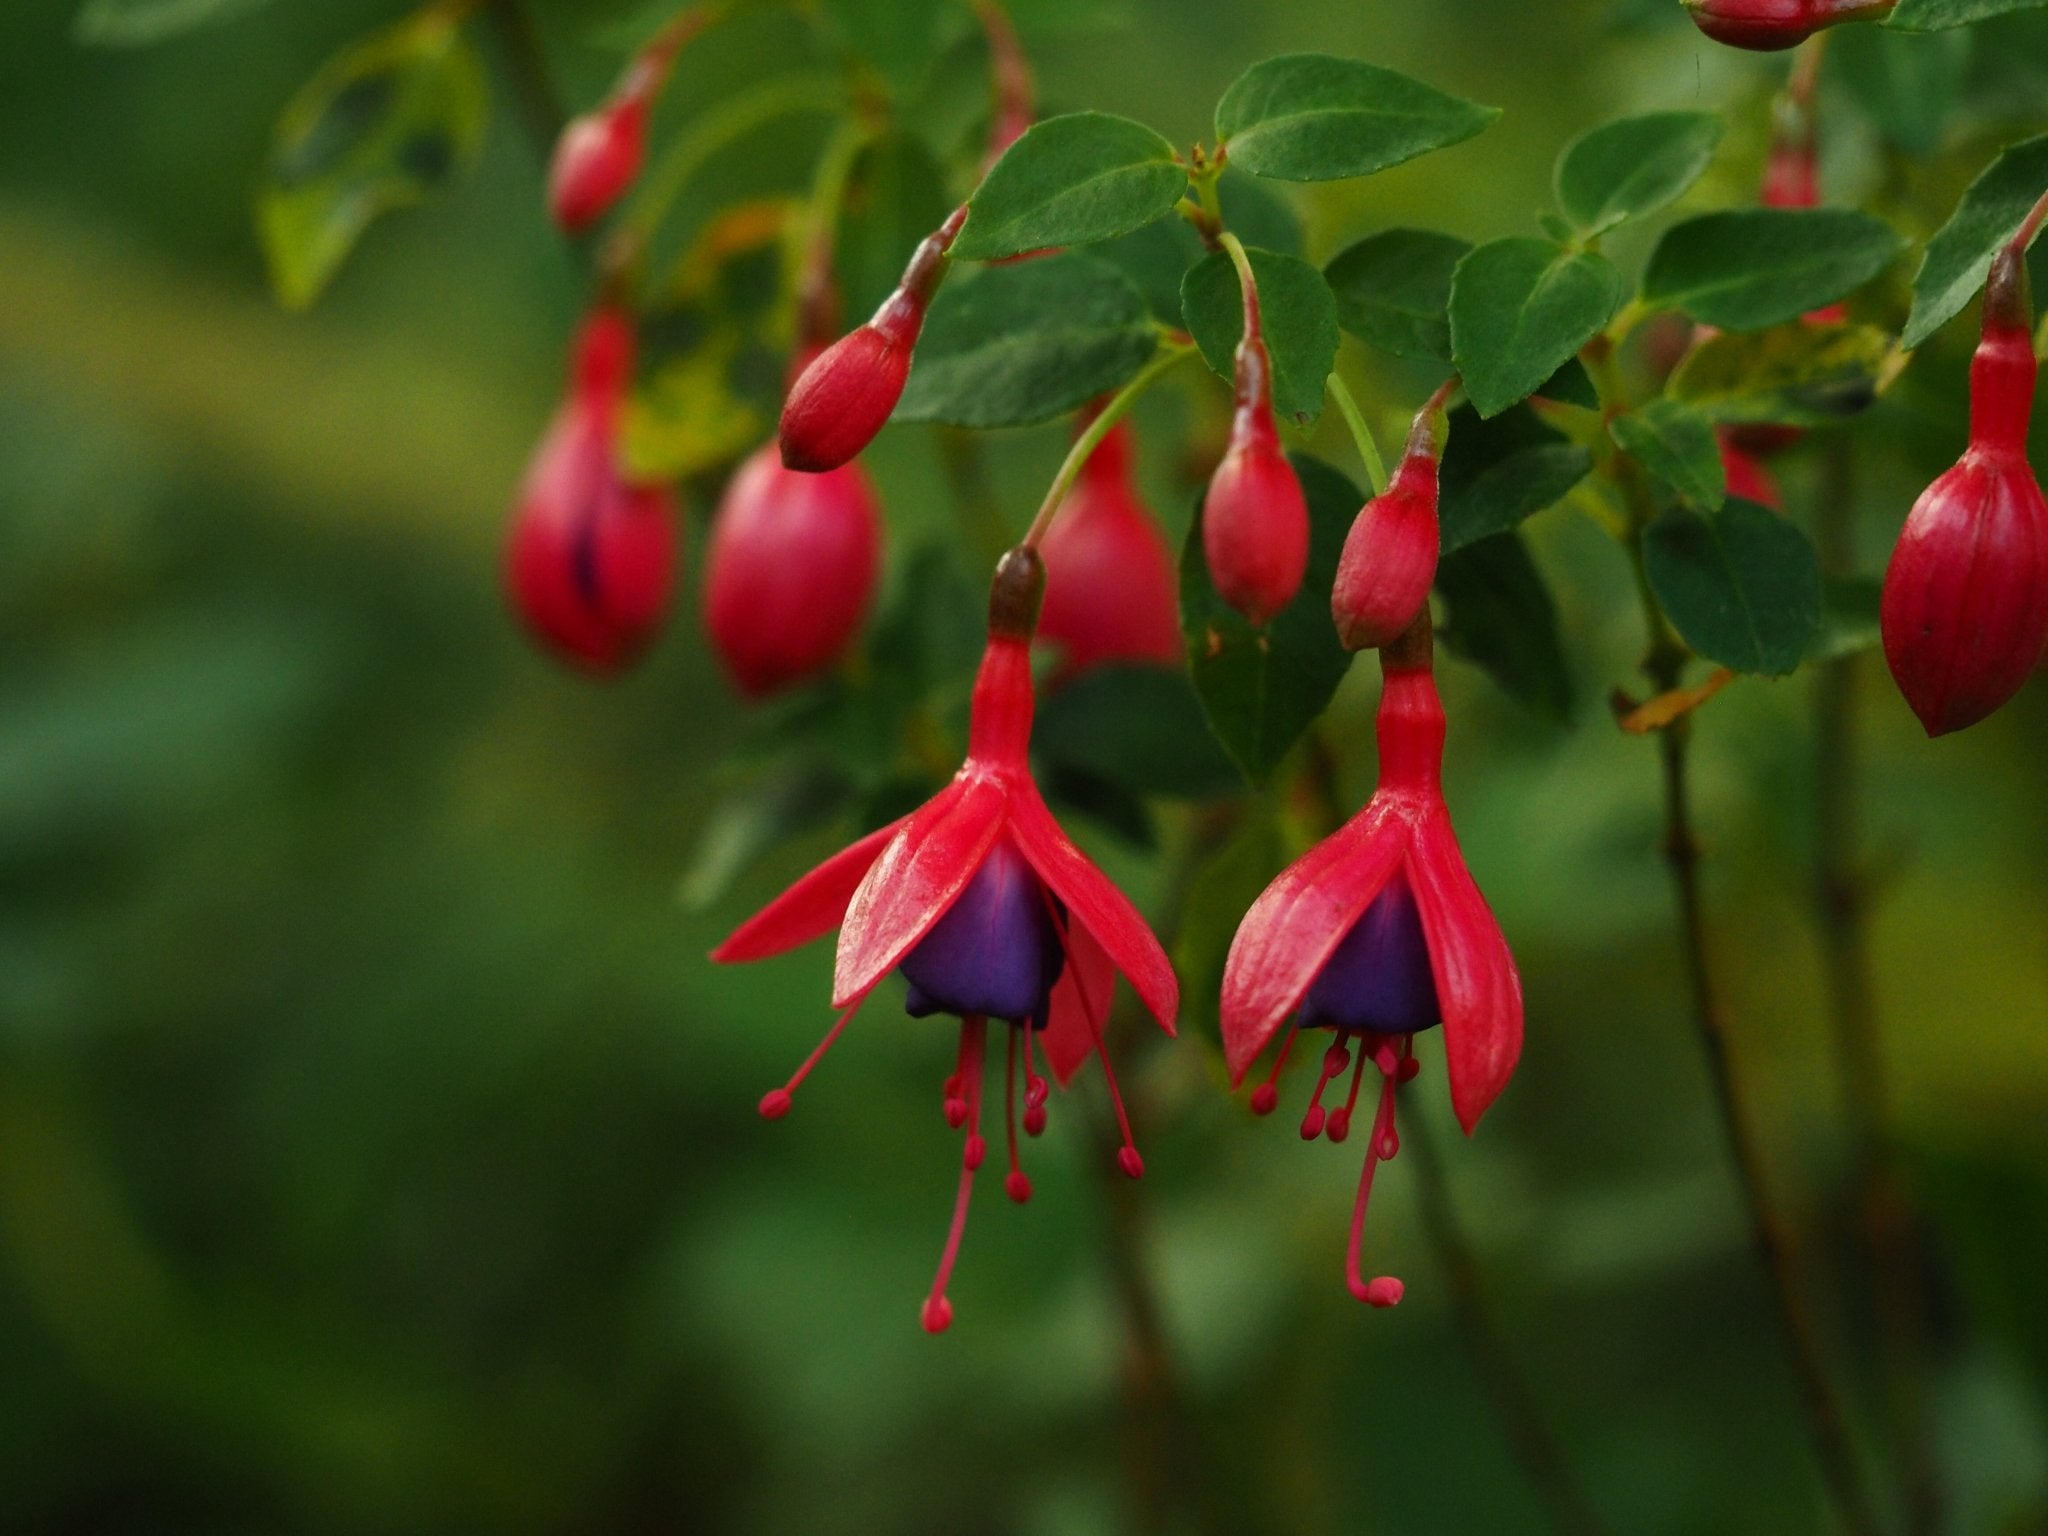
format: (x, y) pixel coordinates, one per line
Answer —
(1111, 592)
(991, 915)
(1254, 517)
(1377, 934)
(845, 396)
(591, 563)
(1964, 610)
(1390, 554)
(790, 570)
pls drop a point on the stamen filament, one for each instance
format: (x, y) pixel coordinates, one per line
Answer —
(1267, 1094)
(1035, 1090)
(1384, 1290)
(938, 1311)
(776, 1102)
(1335, 1060)
(1340, 1119)
(1016, 1185)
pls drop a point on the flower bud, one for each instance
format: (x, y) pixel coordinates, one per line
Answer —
(844, 397)
(1747, 478)
(790, 570)
(597, 158)
(1389, 559)
(1769, 25)
(1254, 517)
(591, 562)
(1965, 604)
(1111, 592)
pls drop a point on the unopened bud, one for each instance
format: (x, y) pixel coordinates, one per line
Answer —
(1111, 593)
(1770, 25)
(597, 158)
(1389, 559)
(1254, 517)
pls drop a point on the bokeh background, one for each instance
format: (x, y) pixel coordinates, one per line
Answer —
(377, 1145)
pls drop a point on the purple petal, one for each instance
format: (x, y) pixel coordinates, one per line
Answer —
(994, 953)
(1378, 979)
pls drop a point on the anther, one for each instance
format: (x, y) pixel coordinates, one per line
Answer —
(1266, 1097)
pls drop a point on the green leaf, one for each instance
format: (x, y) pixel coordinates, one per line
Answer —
(1310, 117)
(1633, 166)
(1519, 308)
(1137, 726)
(1747, 268)
(1676, 444)
(1499, 615)
(1848, 618)
(1394, 291)
(134, 23)
(1262, 688)
(382, 126)
(757, 817)
(900, 38)
(1067, 181)
(1221, 892)
(1909, 86)
(1571, 385)
(1792, 375)
(1959, 256)
(1296, 309)
(1740, 585)
(1157, 257)
(1011, 345)
(1498, 470)
(1937, 15)
(895, 196)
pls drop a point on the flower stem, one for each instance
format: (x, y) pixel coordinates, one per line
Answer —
(1534, 1446)
(1361, 435)
(1096, 430)
(2030, 226)
(1842, 907)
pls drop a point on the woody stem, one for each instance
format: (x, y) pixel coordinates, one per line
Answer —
(1842, 900)
(1534, 1446)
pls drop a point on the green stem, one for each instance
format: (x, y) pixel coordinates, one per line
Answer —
(817, 302)
(526, 62)
(1095, 432)
(1368, 450)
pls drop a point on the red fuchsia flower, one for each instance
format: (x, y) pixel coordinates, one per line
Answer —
(1390, 555)
(1746, 475)
(1769, 25)
(1111, 593)
(989, 912)
(592, 559)
(790, 570)
(599, 155)
(845, 396)
(1376, 934)
(1254, 517)
(1965, 604)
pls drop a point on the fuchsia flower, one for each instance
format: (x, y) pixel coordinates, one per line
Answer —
(1111, 592)
(987, 909)
(1390, 554)
(1376, 934)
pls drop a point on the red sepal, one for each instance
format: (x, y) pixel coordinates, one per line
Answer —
(1477, 984)
(809, 909)
(1080, 1005)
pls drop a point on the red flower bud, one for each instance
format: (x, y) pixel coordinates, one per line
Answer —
(1769, 25)
(1254, 517)
(1965, 605)
(842, 399)
(591, 561)
(1111, 593)
(1746, 475)
(596, 159)
(790, 570)
(1389, 560)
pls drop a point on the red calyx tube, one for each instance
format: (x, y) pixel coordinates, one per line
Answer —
(1254, 517)
(1390, 555)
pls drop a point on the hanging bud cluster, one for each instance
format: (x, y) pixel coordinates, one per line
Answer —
(600, 153)
(592, 558)
(1965, 604)
(1254, 517)
(1111, 592)
(1770, 25)
(1390, 555)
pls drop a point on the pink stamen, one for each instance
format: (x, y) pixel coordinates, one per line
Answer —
(957, 1087)
(938, 1311)
(1385, 1290)
(1035, 1090)
(1335, 1060)
(1127, 1157)
(776, 1102)
(1015, 1184)
(1340, 1119)
(1267, 1095)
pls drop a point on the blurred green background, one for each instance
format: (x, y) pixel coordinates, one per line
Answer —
(377, 1146)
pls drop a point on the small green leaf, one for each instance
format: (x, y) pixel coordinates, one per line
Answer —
(1937, 15)
(381, 126)
(1676, 444)
(1744, 269)
(1157, 257)
(1137, 726)
(1519, 308)
(1500, 470)
(1633, 166)
(1070, 180)
(1571, 385)
(1907, 85)
(1394, 291)
(895, 196)
(1011, 345)
(1740, 585)
(1792, 375)
(1310, 117)
(1298, 313)
(1848, 618)
(134, 23)
(1959, 256)
(1262, 688)
(1499, 615)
